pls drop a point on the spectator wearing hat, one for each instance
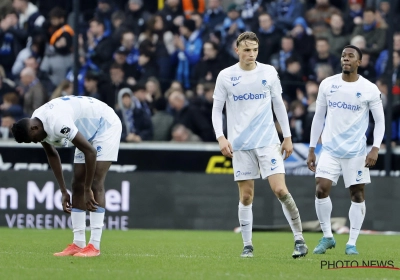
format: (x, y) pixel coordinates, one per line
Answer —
(318, 17)
(374, 34)
(136, 17)
(100, 47)
(172, 14)
(269, 37)
(136, 123)
(188, 53)
(214, 15)
(284, 12)
(233, 25)
(336, 35)
(354, 15)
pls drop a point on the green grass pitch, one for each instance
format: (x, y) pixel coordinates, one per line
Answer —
(170, 254)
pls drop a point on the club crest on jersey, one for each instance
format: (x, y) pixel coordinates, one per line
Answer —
(65, 130)
(358, 94)
(273, 161)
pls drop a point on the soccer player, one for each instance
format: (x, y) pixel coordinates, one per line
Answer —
(346, 99)
(248, 88)
(95, 130)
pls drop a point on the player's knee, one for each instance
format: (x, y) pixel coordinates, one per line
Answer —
(280, 192)
(357, 196)
(77, 188)
(321, 192)
(98, 186)
(246, 198)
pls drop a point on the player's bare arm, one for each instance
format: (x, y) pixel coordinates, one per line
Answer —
(225, 147)
(55, 163)
(287, 147)
(311, 159)
(90, 162)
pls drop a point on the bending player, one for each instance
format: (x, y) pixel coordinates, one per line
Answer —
(248, 88)
(346, 99)
(95, 130)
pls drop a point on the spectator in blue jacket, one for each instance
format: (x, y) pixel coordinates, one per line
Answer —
(284, 12)
(189, 46)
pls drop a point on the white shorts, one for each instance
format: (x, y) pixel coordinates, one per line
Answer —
(353, 169)
(106, 145)
(248, 165)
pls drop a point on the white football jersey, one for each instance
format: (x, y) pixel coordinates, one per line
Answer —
(347, 117)
(248, 105)
(63, 117)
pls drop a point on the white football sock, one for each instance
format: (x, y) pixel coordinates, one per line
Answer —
(356, 216)
(96, 226)
(323, 208)
(292, 215)
(245, 214)
(78, 220)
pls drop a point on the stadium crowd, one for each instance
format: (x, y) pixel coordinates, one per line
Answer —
(156, 62)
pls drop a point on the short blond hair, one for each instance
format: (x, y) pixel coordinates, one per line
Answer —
(251, 36)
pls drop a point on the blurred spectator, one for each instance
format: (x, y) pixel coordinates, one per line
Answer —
(164, 43)
(33, 93)
(146, 66)
(233, 24)
(189, 50)
(337, 38)
(29, 18)
(250, 11)
(269, 37)
(190, 7)
(318, 17)
(354, 15)
(366, 69)
(214, 15)
(296, 120)
(117, 18)
(190, 116)
(153, 88)
(309, 116)
(292, 80)
(11, 106)
(382, 84)
(173, 15)
(91, 85)
(323, 56)
(208, 68)
(162, 120)
(99, 44)
(9, 43)
(136, 123)
(120, 59)
(7, 122)
(304, 42)
(117, 76)
(284, 12)
(58, 57)
(128, 41)
(373, 33)
(278, 60)
(136, 17)
(395, 75)
(36, 49)
(180, 133)
(143, 97)
(380, 64)
(323, 71)
(104, 10)
(359, 41)
(5, 86)
(63, 89)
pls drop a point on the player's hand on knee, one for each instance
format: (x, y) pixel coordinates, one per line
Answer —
(90, 203)
(66, 202)
(311, 159)
(225, 147)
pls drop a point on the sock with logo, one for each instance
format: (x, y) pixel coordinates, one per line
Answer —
(246, 222)
(78, 220)
(356, 217)
(96, 226)
(323, 207)
(292, 215)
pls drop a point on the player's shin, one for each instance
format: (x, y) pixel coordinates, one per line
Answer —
(356, 217)
(323, 207)
(245, 214)
(96, 226)
(292, 215)
(78, 219)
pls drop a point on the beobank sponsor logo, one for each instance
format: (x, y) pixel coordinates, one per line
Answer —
(249, 96)
(344, 105)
